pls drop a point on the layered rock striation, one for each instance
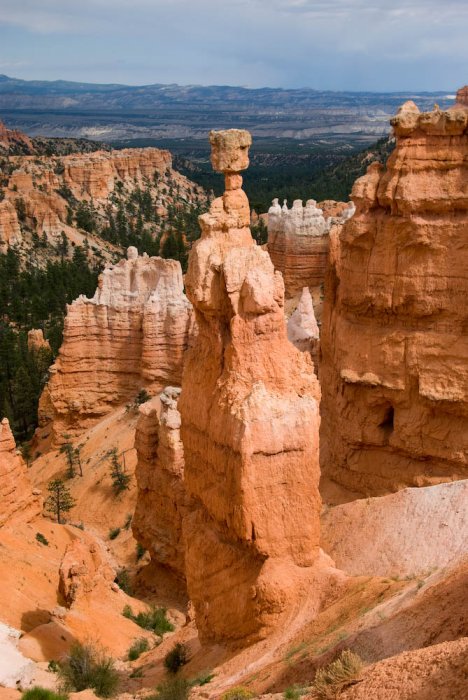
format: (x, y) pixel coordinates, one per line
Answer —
(131, 335)
(157, 522)
(394, 372)
(249, 408)
(298, 241)
(18, 501)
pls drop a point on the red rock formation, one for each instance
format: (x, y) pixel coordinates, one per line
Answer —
(10, 232)
(36, 340)
(157, 523)
(94, 175)
(462, 96)
(394, 345)
(12, 137)
(249, 408)
(298, 242)
(18, 502)
(83, 569)
(131, 335)
(45, 185)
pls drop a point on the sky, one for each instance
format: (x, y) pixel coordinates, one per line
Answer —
(377, 45)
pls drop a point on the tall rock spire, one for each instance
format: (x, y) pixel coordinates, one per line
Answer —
(250, 421)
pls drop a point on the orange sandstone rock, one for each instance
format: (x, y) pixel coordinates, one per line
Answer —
(10, 232)
(462, 96)
(157, 523)
(82, 570)
(249, 408)
(18, 502)
(394, 369)
(36, 340)
(13, 137)
(131, 334)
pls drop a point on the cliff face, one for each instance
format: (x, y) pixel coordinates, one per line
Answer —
(43, 194)
(157, 523)
(298, 241)
(18, 503)
(394, 345)
(131, 335)
(249, 408)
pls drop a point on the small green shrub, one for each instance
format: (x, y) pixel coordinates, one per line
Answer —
(136, 673)
(238, 693)
(142, 397)
(40, 538)
(294, 692)
(114, 533)
(140, 550)
(128, 521)
(153, 619)
(122, 579)
(38, 693)
(174, 688)
(202, 679)
(138, 647)
(127, 612)
(87, 667)
(331, 679)
(176, 658)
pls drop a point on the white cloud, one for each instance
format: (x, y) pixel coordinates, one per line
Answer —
(278, 42)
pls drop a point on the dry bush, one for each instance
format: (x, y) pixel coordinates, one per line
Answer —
(330, 680)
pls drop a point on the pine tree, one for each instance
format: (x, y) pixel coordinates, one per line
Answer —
(67, 450)
(73, 457)
(60, 499)
(120, 479)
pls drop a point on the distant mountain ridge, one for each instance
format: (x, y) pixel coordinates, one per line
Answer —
(113, 112)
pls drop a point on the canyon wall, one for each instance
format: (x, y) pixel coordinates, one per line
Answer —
(157, 522)
(42, 195)
(394, 344)
(249, 408)
(131, 335)
(18, 501)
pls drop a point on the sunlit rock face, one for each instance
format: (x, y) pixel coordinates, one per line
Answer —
(131, 335)
(394, 369)
(18, 501)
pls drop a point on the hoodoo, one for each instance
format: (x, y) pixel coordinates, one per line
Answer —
(131, 335)
(298, 241)
(249, 408)
(394, 344)
(157, 523)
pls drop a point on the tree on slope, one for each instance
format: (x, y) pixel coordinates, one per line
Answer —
(60, 499)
